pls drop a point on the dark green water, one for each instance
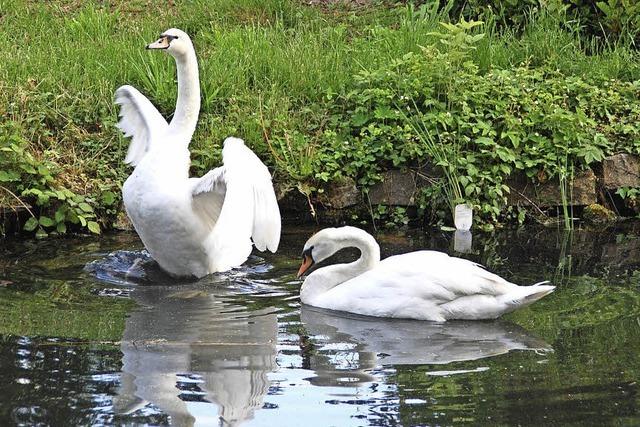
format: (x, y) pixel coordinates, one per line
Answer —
(91, 333)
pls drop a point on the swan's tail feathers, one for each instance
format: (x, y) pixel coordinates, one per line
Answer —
(526, 295)
(539, 292)
(544, 282)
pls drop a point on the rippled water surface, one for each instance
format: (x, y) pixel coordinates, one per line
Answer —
(91, 333)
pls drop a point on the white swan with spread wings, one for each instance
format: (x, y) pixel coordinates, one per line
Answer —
(192, 226)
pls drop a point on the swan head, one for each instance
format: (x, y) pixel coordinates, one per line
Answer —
(176, 42)
(327, 242)
(319, 247)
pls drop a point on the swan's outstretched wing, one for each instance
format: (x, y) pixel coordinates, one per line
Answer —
(140, 120)
(237, 200)
(208, 194)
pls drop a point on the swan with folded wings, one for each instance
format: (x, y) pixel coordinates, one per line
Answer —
(192, 226)
(422, 285)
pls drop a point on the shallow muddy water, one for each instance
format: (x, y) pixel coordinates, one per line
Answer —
(92, 333)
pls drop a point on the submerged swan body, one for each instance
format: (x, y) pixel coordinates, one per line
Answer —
(423, 285)
(192, 226)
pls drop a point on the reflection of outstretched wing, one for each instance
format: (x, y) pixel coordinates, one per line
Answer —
(238, 204)
(220, 358)
(140, 120)
(397, 342)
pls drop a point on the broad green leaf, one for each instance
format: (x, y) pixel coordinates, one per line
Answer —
(60, 215)
(31, 224)
(483, 140)
(45, 221)
(85, 207)
(93, 227)
(108, 197)
(469, 189)
(8, 176)
(28, 168)
(359, 119)
(43, 170)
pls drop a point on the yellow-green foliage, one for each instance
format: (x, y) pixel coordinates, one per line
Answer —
(598, 214)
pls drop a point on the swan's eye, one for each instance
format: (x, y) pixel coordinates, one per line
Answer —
(307, 252)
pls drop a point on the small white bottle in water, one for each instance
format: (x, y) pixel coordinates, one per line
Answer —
(463, 216)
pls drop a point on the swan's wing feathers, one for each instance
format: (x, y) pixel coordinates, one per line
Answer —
(230, 236)
(266, 220)
(238, 204)
(392, 282)
(208, 194)
(386, 293)
(212, 181)
(249, 174)
(445, 277)
(140, 120)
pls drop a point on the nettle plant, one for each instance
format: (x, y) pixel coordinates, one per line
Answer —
(532, 121)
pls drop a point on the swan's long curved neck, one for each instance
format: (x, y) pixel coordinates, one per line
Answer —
(188, 105)
(328, 277)
(369, 252)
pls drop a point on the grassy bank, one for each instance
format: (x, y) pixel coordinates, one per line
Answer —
(298, 83)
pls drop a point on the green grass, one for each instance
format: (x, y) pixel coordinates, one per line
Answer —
(269, 74)
(547, 40)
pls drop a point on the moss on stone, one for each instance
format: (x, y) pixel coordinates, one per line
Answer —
(597, 214)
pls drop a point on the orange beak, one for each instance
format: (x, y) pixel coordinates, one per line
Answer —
(307, 262)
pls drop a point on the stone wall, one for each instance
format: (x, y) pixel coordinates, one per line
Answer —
(401, 187)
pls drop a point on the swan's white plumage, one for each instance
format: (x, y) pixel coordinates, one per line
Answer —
(425, 285)
(140, 120)
(238, 203)
(192, 226)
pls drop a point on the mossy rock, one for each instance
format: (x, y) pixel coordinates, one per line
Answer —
(122, 222)
(596, 214)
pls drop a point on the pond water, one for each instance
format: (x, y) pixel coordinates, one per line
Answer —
(92, 333)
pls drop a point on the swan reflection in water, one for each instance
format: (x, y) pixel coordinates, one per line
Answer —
(199, 355)
(193, 353)
(197, 358)
(349, 346)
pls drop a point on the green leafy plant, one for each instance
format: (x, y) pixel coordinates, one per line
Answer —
(631, 197)
(34, 180)
(390, 216)
(609, 20)
(620, 17)
(632, 193)
(436, 107)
